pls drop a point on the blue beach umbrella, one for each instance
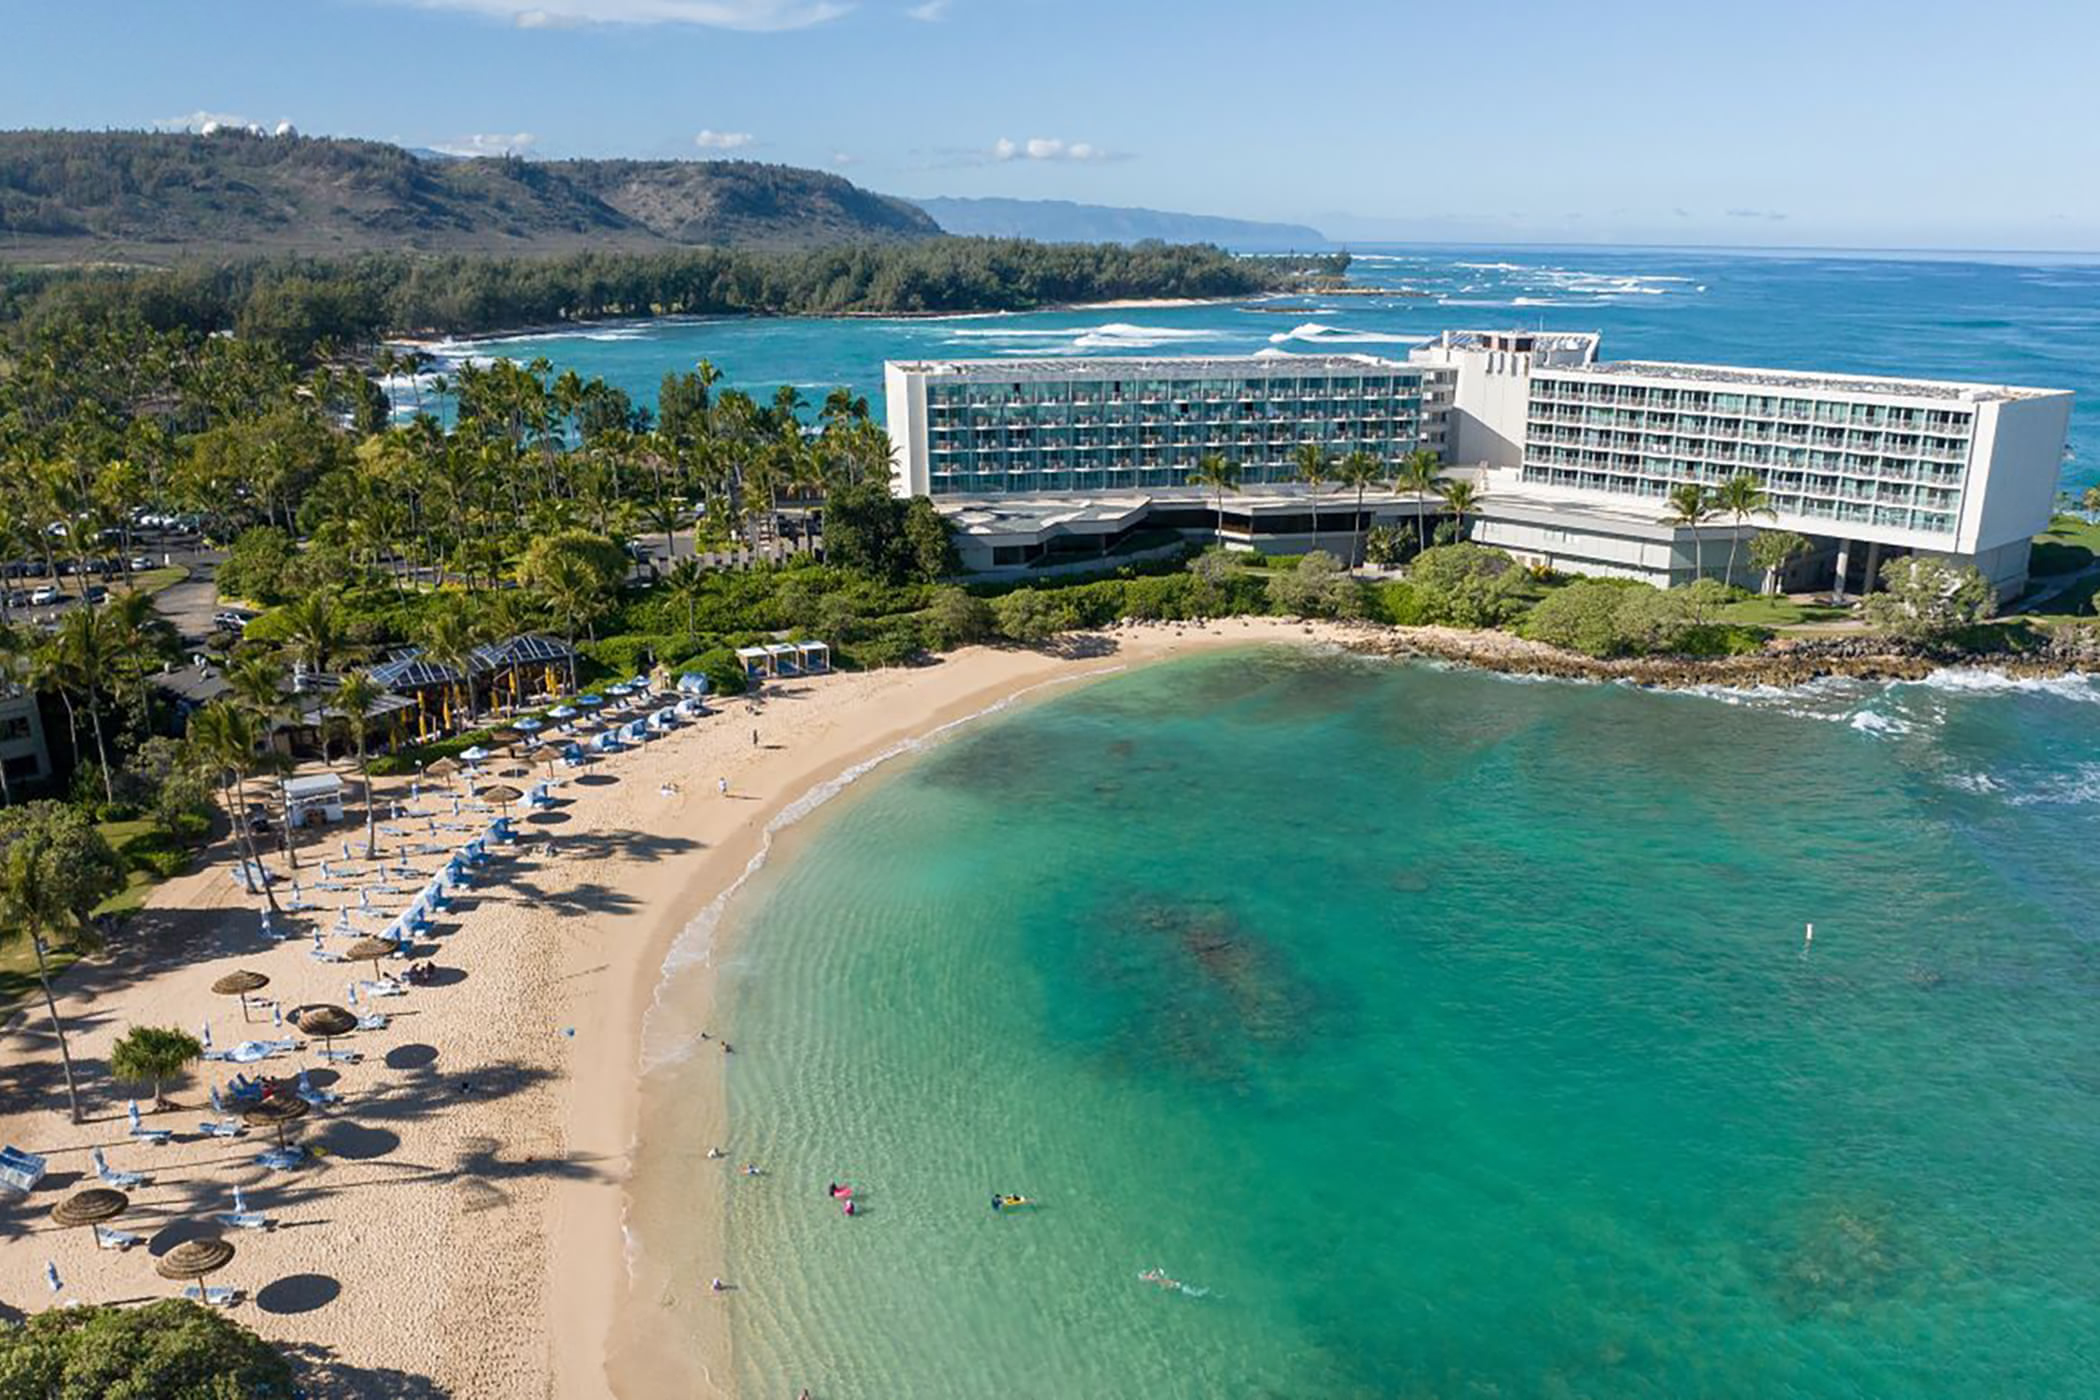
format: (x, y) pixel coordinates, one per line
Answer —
(590, 702)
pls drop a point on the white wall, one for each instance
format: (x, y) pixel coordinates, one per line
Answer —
(905, 410)
(2015, 462)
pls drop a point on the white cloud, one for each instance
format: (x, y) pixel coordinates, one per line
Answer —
(844, 158)
(930, 11)
(1047, 148)
(204, 122)
(716, 14)
(724, 140)
(484, 143)
(1772, 214)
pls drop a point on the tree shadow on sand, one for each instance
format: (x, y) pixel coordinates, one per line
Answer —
(325, 1376)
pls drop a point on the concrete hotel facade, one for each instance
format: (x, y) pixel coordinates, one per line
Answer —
(1576, 455)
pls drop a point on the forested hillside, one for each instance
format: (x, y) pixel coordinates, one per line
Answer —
(69, 196)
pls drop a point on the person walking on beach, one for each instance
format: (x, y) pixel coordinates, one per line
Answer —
(754, 738)
(722, 786)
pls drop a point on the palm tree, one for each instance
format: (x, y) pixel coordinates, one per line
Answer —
(314, 630)
(1362, 471)
(225, 738)
(571, 592)
(54, 869)
(151, 1055)
(1416, 476)
(1741, 496)
(448, 640)
(1214, 471)
(687, 583)
(85, 651)
(1461, 497)
(355, 697)
(1309, 466)
(1691, 506)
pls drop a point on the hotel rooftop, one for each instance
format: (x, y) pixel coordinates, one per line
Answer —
(1195, 366)
(1806, 381)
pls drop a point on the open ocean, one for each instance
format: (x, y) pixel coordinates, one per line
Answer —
(1455, 1036)
(1445, 1035)
(2011, 318)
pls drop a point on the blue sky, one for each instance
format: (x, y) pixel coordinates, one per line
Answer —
(1845, 122)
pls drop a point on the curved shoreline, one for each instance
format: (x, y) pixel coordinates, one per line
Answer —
(616, 1323)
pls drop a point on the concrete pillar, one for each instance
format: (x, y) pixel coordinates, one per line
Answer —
(1844, 561)
(1873, 567)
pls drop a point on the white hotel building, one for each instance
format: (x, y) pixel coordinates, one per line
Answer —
(1043, 458)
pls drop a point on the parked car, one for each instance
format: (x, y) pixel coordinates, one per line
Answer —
(140, 563)
(258, 820)
(44, 596)
(233, 619)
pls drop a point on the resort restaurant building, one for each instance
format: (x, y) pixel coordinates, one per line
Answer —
(1034, 460)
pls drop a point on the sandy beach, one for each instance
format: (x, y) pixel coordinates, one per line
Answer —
(463, 1233)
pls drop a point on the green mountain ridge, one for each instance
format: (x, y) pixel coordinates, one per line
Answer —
(78, 196)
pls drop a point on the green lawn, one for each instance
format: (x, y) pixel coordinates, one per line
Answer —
(2068, 545)
(154, 580)
(138, 880)
(1779, 611)
(18, 969)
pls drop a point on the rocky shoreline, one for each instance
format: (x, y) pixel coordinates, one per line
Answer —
(1783, 662)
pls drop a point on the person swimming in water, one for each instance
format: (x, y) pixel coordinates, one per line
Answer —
(849, 1207)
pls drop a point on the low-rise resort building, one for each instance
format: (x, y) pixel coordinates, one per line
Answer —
(1045, 459)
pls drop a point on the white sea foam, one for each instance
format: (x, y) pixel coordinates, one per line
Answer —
(695, 943)
(2078, 788)
(1318, 333)
(1979, 783)
(1872, 722)
(1965, 681)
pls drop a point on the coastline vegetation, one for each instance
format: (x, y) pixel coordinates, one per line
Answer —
(308, 308)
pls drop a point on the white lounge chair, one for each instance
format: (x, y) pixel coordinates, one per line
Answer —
(385, 987)
(343, 1057)
(372, 1021)
(19, 1170)
(123, 1181)
(242, 1218)
(222, 1127)
(214, 1297)
(319, 1098)
(326, 955)
(106, 1238)
(157, 1136)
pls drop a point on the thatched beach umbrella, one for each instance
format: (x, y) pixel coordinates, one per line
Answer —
(91, 1207)
(547, 754)
(371, 950)
(239, 984)
(445, 768)
(502, 794)
(506, 735)
(325, 1021)
(275, 1112)
(194, 1259)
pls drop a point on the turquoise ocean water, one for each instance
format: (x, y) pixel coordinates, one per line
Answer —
(2025, 319)
(1456, 1036)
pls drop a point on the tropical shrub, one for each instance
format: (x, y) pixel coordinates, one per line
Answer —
(1318, 586)
(1467, 585)
(1924, 599)
(172, 1349)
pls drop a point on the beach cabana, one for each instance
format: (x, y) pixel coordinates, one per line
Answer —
(786, 658)
(435, 688)
(317, 798)
(519, 668)
(813, 657)
(756, 661)
(693, 683)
